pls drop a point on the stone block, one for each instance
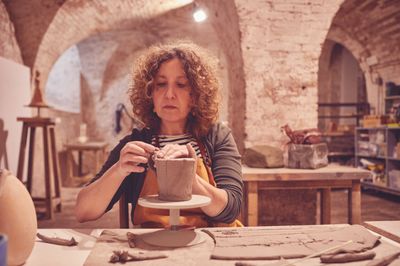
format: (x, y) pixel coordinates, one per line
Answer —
(263, 156)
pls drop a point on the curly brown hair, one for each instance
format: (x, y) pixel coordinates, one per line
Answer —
(200, 70)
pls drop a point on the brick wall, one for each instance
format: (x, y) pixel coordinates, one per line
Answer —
(8, 45)
(281, 43)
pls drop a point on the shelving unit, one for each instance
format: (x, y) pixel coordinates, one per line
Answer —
(390, 101)
(340, 143)
(380, 146)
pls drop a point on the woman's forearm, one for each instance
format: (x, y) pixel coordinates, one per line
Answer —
(93, 199)
(219, 197)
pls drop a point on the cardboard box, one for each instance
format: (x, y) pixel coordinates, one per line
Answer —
(307, 156)
(374, 120)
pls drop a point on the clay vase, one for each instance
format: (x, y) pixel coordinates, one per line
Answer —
(175, 178)
(17, 218)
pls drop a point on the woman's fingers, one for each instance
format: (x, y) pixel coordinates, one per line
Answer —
(146, 146)
(191, 151)
(168, 149)
(133, 158)
(139, 148)
(133, 154)
(175, 151)
(171, 151)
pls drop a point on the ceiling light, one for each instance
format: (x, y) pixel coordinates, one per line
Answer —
(199, 15)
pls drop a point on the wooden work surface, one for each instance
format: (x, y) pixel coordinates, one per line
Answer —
(89, 145)
(322, 179)
(389, 229)
(329, 172)
(36, 120)
(89, 251)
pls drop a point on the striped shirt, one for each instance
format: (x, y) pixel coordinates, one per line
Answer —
(177, 139)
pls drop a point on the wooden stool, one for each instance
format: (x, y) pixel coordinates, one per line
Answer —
(48, 127)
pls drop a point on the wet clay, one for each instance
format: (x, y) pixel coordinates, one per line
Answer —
(175, 177)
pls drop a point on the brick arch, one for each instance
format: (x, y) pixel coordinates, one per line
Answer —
(338, 35)
(370, 30)
(359, 51)
(76, 21)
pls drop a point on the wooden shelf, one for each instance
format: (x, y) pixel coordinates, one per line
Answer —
(378, 128)
(372, 128)
(389, 190)
(393, 128)
(371, 157)
(338, 134)
(394, 97)
(340, 116)
(391, 138)
(338, 154)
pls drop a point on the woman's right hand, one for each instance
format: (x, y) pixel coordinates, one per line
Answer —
(132, 155)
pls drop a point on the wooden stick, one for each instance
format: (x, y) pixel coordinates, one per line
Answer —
(131, 239)
(318, 253)
(57, 240)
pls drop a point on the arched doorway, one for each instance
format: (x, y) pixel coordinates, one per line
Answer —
(342, 99)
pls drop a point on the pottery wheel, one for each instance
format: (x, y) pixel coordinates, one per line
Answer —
(172, 237)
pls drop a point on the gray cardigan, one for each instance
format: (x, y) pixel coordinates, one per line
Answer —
(226, 168)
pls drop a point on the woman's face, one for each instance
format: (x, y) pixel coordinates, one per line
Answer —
(172, 93)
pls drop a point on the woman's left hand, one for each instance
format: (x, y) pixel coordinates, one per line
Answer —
(172, 151)
(192, 154)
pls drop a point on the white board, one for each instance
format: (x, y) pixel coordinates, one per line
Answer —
(15, 93)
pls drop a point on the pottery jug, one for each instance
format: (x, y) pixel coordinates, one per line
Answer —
(17, 218)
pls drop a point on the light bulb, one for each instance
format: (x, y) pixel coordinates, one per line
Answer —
(199, 15)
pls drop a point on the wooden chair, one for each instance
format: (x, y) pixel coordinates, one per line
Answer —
(123, 211)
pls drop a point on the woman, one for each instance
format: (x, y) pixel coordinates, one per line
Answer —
(174, 93)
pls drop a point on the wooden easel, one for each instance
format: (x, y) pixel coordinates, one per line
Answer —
(49, 147)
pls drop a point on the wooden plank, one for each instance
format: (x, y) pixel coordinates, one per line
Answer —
(252, 204)
(326, 206)
(310, 184)
(329, 172)
(389, 229)
(80, 163)
(90, 145)
(55, 167)
(22, 147)
(355, 204)
(48, 179)
(31, 156)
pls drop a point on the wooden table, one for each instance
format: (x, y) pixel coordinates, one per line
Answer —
(48, 254)
(97, 147)
(323, 179)
(389, 229)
